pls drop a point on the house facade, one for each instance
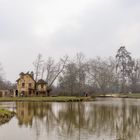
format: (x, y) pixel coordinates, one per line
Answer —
(27, 86)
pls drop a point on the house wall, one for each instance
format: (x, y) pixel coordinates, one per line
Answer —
(42, 87)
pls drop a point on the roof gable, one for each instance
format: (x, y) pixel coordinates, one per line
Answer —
(22, 75)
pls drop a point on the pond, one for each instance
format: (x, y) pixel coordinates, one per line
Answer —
(103, 119)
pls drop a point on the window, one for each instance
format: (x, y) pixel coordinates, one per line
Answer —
(0, 94)
(23, 85)
(30, 85)
(42, 86)
(30, 92)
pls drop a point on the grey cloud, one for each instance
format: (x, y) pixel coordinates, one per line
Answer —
(97, 30)
(100, 30)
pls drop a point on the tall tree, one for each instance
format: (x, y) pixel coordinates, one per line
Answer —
(81, 71)
(124, 67)
(50, 69)
(68, 80)
(135, 76)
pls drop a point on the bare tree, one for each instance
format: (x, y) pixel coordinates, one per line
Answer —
(135, 76)
(68, 80)
(73, 80)
(101, 74)
(43, 71)
(38, 66)
(50, 69)
(53, 70)
(3, 83)
(81, 70)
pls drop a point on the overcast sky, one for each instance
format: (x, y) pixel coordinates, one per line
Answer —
(58, 27)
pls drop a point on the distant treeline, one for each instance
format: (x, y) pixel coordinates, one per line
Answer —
(79, 75)
(4, 84)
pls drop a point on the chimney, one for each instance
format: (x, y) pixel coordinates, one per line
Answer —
(21, 74)
(32, 74)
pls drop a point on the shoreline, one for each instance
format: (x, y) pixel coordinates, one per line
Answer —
(5, 116)
(46, 99)
(129, 96)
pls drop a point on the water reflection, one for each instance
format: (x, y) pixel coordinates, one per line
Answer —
(100, 120)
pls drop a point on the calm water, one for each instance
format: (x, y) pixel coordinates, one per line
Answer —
(104, 119)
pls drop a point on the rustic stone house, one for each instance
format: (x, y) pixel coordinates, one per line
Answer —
(27, 86)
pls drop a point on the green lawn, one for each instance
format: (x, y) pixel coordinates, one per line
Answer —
(132, 95)
(4, 112)
(67, 98)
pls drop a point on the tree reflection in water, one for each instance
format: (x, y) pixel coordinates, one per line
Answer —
(114, 119)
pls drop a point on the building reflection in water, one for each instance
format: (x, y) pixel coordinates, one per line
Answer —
(112, 119)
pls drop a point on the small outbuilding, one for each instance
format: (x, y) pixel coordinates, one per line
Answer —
(41, 87)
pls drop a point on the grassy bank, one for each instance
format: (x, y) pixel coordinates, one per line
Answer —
(67, 98)
(5, 116)
(46, 99)
(119, 95)
(132, 95)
